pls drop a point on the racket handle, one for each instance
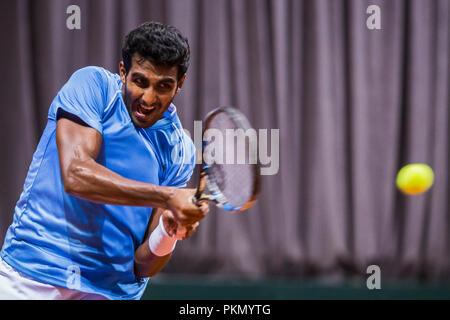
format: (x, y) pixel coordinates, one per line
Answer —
(194, 200)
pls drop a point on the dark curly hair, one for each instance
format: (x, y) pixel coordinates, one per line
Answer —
(158, 43)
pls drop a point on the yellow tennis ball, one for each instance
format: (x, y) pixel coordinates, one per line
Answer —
(415, 178)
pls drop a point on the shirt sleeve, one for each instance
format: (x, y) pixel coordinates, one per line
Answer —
(183, 164)
(83, 95)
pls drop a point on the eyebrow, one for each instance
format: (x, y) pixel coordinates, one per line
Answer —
(163, 80)
(171, 80)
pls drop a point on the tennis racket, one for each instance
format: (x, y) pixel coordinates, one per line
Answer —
(232, 181)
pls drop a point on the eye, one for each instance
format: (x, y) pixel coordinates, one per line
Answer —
(140, 82)
(165, 86)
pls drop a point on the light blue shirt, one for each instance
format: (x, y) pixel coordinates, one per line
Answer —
(66, 241)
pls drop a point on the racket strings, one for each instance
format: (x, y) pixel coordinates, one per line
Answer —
(233, 172)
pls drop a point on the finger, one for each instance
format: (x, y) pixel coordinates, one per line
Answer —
(192, 230)
(204, 207)
(172, 227)
(192, 216)
(170, 215)
(188, 221)
(202, 203)
(180, 232)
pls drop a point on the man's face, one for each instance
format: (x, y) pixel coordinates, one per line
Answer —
(148, 90)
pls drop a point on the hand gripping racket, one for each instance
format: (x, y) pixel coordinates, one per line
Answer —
(232, 179)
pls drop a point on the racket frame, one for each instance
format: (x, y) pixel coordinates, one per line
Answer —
(216, 195)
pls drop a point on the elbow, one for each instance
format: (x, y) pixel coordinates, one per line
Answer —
(146, 272)
(150, 274)
(68, 185)
(70, 189)
(72, 179)
(141, 271)
(145, 267)
(153, 271)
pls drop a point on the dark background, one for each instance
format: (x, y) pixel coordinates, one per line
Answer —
(352, 105)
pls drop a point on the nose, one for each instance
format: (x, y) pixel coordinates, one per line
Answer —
(150, 97)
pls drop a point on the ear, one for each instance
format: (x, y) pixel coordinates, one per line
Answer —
(123, 72)
(180, 83)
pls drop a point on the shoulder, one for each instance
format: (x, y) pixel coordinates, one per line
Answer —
(89, 72)
(95, 82)
(87, 91)
(94, 75)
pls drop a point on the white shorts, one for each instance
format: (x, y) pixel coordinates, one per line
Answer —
(17, 286)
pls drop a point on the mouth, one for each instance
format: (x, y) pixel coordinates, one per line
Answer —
(143, 113)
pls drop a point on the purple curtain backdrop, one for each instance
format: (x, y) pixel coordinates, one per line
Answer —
(352, 105)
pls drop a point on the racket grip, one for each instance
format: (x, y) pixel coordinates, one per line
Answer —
(194, 200)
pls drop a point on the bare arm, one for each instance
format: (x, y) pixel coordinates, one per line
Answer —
(146, 264)
(78, 147)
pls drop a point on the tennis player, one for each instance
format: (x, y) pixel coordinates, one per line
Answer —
(103, 202)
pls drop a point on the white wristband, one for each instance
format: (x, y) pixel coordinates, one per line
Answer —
(160, 242)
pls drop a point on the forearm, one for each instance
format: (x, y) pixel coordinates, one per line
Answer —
(147, 264)
(163, 232)
(154, 253)
(94, 182)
